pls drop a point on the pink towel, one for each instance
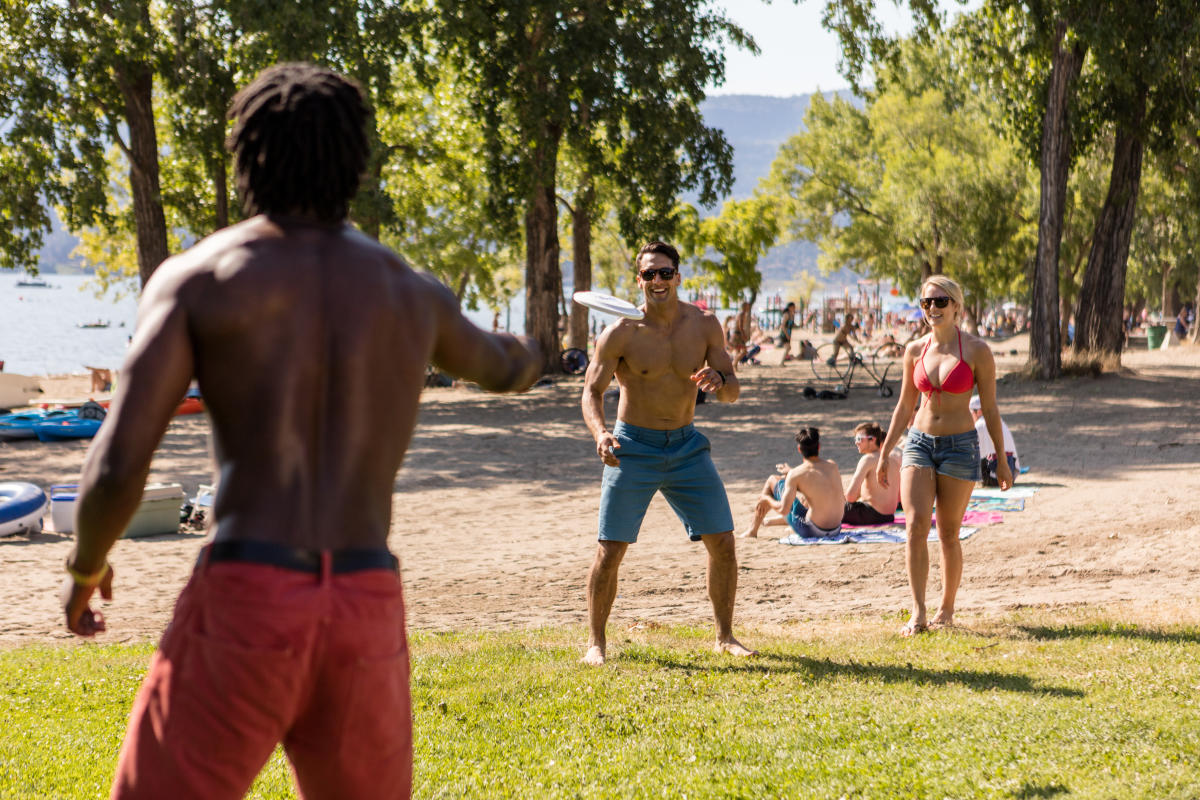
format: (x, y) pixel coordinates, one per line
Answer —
(969, 518)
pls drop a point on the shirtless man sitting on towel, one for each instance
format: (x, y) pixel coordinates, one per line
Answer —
(867, 502)
(809, 497)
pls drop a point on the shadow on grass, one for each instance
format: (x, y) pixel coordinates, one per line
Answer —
(1110, 630)
(1029, 791)
(823, 669)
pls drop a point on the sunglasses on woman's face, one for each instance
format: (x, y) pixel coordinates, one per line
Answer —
(666, 273)
(929, 302)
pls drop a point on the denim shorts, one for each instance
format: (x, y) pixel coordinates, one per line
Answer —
(955, 456)
(677, 463)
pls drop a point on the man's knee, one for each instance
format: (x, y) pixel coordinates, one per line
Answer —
(721, 546)
(609, 555)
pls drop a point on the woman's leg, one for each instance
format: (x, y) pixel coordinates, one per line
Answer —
(953, 496)
(917, 490)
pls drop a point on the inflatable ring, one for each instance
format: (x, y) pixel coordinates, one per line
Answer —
(22, 506)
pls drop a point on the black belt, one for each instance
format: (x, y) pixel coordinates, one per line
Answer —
(298, 559)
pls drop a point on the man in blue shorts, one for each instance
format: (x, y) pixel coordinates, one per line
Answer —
(659, 361)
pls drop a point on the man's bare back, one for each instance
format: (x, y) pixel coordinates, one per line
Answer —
(820, 485)
(331, 332)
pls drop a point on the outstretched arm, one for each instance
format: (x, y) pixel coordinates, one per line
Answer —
(154, 379)
(498, 362)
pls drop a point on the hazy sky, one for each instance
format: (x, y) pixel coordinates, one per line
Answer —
(798, 55)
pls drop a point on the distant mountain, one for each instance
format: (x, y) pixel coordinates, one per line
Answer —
(55, 254)
(756, 126)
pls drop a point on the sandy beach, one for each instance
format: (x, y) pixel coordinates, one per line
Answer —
(495, 511)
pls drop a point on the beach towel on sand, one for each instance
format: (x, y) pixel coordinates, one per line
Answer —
(969, 518)
(868, 534)
(996, 504)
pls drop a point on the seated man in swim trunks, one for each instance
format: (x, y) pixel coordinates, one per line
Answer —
(878, 503)
(811, 494)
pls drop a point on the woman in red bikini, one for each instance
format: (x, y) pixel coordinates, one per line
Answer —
(941, 455)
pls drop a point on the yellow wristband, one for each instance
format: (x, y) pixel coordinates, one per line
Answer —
(84, 578)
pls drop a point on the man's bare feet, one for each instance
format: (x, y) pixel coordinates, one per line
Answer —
(734, 648)
(752, 533)
(913, 628)
(594, 656)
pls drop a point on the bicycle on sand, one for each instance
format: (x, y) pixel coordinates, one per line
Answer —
(840, 371)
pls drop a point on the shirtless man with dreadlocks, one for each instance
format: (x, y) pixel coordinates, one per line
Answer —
(309, 341)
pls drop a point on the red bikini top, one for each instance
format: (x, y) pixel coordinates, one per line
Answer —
(961, 378)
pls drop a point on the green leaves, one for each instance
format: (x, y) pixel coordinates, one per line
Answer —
(915, 182)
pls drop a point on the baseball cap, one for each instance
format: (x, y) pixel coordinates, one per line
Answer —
(975, 404)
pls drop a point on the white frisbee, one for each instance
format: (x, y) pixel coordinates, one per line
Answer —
(599, 301)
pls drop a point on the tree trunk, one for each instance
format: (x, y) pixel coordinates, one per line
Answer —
(581, 245)
(1045, 351)
(543, 276)
(220, 176)
(1098, 323)
(136, 83)
(1193, 335)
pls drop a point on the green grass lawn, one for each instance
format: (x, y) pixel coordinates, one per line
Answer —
(1036, 706)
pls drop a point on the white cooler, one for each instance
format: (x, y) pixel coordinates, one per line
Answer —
(158, 513)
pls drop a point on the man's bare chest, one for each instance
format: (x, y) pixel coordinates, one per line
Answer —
(652, 354)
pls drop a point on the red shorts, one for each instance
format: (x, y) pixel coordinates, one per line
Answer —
(256, 655)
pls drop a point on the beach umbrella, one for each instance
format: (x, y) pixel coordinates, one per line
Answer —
(915, 316)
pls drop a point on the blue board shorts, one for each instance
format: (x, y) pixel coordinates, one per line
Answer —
(797, 513)
(677, 463)
(797, 517)
(955, 456)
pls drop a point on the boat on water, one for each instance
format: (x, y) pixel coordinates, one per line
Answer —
(97, 324)
(22, 506)
(34, 283)
(20, 425)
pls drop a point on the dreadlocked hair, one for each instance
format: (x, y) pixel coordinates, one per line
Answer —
(298, 141)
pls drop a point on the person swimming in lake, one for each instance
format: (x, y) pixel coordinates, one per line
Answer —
(941, 455)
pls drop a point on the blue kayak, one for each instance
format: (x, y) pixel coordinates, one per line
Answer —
(20, 425)
(61, 429)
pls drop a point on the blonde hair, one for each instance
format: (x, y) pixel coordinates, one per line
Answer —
(952, 289)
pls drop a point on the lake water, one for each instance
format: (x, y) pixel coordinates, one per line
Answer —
(40, 331)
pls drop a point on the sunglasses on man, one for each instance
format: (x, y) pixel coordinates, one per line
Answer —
(940, 302)
(666, 273)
